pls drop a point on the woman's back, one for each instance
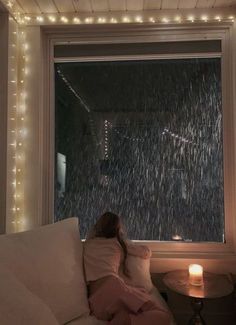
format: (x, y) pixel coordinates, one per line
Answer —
(102, 257)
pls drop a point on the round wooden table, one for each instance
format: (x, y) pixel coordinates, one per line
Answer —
(214, 286)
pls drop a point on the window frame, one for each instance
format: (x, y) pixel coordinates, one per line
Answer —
(147, 33)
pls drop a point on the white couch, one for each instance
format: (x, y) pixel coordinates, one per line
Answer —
(42, 280)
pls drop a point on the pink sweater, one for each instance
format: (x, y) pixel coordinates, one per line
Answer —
(103, 256)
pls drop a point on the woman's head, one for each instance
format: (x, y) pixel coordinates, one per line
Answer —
(108, 226)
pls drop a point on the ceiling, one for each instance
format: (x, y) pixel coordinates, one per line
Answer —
(96, 6)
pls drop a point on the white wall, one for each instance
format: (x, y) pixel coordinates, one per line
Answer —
(35, 164)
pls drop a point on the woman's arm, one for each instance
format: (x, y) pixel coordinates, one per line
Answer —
(138, 250)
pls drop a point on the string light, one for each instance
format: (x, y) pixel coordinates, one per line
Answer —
(158, 18)
(40, 19)
(52, 19)
(204, 18)
(191, 18)
(73, 90)
(64, 19)
(165, 20)
(18, 131)
(76, 20)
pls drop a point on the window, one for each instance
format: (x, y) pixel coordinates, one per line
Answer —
(142, 138)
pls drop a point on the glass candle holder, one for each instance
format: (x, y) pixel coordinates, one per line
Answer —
(195, 274)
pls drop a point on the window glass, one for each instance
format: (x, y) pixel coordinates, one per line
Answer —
(142, 139)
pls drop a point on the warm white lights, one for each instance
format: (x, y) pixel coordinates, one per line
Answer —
(17, 128)
(76, 20)
(52, 19)
(101, 20)
(165, 20)
(113, 20)
(64, 19)
(9, 4)
(204, 18)
(40, 19)
(191, 18)
(88, 20)
(130, 17)
(152, 20)
(126, 19)
(178, 19)
(138, 19)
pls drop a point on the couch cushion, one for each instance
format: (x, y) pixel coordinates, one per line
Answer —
(87, 320)
(48, 261)
(19, 306)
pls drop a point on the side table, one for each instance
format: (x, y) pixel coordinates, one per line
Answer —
(214, 286)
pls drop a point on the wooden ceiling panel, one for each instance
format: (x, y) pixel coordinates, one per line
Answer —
(152, 4)
(169, 4)
(47, 6)
(29, 6)
(135, 4)
(224, 3)
(64, 6)
(205, 3)
(116, 5)
(189, 4)
(100, 5)
(17, 8)
(82, 5)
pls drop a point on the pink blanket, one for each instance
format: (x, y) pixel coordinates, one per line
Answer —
(121, 304)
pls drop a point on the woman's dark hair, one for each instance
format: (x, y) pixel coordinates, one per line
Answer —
(109, 226)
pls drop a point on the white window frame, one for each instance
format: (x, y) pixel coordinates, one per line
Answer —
(170, 252)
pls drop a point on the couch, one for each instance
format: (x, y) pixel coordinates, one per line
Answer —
(42, 279)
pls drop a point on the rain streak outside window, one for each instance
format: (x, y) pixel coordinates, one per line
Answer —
(143, 139)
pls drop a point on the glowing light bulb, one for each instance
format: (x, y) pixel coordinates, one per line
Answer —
(64, 19)
(40, 19)
(101, 20)
(52, 19)
(28, 18)
(9, 4)
(177, 18)
(113, 20)
(218, 18)
(191, 18)
(204, 18)
(125, 19)
(76, 20)
(138, 19)
(165, 20)
(151, 19)
(88, 20)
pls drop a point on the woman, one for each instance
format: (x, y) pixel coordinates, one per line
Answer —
(110, 299)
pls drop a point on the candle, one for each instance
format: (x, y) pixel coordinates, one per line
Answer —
(195, 274)
(177, 238)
